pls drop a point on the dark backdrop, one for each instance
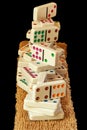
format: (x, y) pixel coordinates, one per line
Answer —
(16, 20)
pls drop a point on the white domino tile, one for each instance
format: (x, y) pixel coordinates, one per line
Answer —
(49, 112)
(37, 116)
(38, 66)
(47, 90)
(45, 54)
(42, 23)
(44, 34)
(49, 11)
(48, 104)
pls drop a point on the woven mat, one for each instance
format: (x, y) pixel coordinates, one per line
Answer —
(22, 122)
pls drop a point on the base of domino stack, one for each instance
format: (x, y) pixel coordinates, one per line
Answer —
(22, 121)
(36, 116)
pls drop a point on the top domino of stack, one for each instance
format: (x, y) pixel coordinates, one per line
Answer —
(45, 11)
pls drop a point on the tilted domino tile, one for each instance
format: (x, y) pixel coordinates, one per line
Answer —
(23, 49)
(49, 104)
(38, 66)
(24, 84)
(36, 116)
(42, 23)
(48, 10)
(44, 34)
(46, 54)
(30, 75)
(47, 90)
(61, 70)
(49, 112)
(53, 77)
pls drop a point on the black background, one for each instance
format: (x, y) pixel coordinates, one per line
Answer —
(16, 20)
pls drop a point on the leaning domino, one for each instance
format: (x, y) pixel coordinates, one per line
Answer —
(49, 11)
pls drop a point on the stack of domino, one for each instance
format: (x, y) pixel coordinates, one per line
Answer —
(40, 67)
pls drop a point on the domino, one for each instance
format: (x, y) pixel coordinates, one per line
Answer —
(43, 23)
(23, 49)
(53, 77)
(48, 104)
(44, 34)
(48, 112)
(49, 11)
(47, 90)
(38, 66)
(36, 116)
(30, 74)
(46, 54)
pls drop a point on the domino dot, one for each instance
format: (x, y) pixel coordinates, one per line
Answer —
(37, 98)
(36, 52)
(39, 32)
(40, 50)
(56, 30)
(54, 95)
(38, 40)
(62, 94)
(36, 57)
(54, 101)
(48, 39)
(48, 15)
(39, 58)
(35, 36)
(34, 47)
(37, 48)
(46, 96)
(35, 32)
(55, 38)
(54, 87)
(38, 89)
(45, 60)
(55, 6)
(52, 11)
(33, 55)
(62, 85)
(35, 41)
(58, 86)
(46, 88)
(49, 31)
(38, 62)
(58, 94)
(43, 32)
(45, 100)
(52, 54)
